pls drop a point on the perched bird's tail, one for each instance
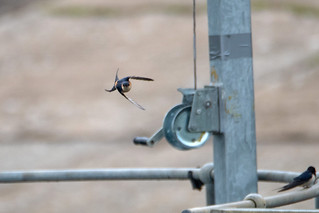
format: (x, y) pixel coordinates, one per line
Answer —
(289, 186)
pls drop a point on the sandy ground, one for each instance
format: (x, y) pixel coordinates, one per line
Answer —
(56, 59)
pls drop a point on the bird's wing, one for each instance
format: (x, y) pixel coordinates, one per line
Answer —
(290, 186)
(297, 181)
(304, 177)
(117, 77)
(140, 78)
(133, 102)
(111, 90)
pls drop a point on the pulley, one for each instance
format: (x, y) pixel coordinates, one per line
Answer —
(176, 130)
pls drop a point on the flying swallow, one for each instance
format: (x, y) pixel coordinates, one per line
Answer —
(124, 85)
(306, 179)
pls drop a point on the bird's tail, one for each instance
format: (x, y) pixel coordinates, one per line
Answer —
(288, 186)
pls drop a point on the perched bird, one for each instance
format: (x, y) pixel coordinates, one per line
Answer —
(306, 179)
(124, 85)
(196, 183)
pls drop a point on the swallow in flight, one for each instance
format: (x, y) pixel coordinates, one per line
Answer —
(124, 85)
(306, 180)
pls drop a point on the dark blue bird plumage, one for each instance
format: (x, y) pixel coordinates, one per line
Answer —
(304, 179)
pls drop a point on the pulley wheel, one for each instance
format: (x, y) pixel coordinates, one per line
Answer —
(176, 129)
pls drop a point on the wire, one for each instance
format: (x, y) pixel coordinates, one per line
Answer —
(194, 43)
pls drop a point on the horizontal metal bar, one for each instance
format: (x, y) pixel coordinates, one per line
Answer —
(276, 176)
(125, 174)
(98, 174)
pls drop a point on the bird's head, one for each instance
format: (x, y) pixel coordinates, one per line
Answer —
(312, 170)
(126, 86)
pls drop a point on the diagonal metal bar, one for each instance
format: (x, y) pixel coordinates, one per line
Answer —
(269, 202)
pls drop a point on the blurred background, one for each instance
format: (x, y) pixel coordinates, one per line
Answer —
(57, 57)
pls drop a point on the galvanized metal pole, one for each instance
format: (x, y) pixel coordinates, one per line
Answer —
(231, 68)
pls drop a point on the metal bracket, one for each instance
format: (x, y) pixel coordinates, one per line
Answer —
(188, 95)
(205, 111)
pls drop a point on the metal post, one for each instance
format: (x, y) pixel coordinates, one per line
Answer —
(210, 193)
(231, 69)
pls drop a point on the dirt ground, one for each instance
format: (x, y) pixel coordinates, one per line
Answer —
(57, 57)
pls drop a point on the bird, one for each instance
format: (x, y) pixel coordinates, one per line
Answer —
(124, 85)
(196, 183)
(305, 179)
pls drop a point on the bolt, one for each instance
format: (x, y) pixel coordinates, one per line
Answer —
(208, 104)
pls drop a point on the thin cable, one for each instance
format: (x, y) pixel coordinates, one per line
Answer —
(194, 43)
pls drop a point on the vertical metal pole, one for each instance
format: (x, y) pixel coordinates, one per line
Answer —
(210, 193)
(230, 49)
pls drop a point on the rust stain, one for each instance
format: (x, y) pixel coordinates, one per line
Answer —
(201, 137)
(226, 110)
(231, 110)
(214, 75)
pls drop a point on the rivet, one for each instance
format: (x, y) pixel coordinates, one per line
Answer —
(208, 104)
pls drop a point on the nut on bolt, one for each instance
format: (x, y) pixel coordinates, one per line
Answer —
(208, 104)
